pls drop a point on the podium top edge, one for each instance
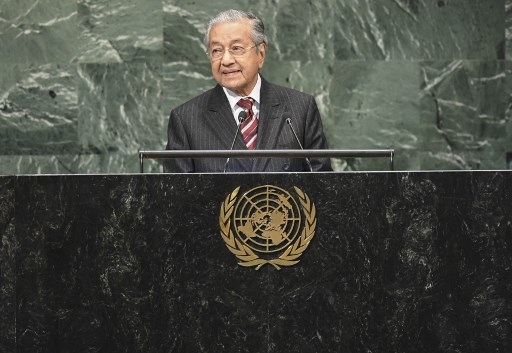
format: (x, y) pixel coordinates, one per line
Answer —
(266, 153)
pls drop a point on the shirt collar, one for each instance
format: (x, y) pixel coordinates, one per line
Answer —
(233, 98)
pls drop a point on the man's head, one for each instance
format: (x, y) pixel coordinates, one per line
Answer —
(236, 44)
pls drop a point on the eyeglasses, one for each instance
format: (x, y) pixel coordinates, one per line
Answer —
(235, 50)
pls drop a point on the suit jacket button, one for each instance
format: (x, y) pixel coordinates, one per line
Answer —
(286, 166)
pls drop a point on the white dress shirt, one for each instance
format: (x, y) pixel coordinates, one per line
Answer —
(233, 99)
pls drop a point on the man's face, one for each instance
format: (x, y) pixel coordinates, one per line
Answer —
(238, 74)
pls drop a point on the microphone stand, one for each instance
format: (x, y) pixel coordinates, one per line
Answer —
(289, 121)
(241, 118)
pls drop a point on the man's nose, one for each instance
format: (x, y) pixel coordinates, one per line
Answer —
(227, 58)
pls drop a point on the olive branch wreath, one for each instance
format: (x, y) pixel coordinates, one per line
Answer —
(246, 255)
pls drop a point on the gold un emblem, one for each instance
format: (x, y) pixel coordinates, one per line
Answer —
(266, 225)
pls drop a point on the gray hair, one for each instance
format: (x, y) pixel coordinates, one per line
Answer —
(258, 29)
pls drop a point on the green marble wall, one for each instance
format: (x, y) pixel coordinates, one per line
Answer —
(85, 84)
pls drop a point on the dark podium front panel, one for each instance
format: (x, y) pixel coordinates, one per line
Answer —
(399, 262)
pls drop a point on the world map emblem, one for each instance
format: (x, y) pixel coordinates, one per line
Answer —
(267, 225)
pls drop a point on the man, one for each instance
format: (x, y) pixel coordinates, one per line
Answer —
(236, 45)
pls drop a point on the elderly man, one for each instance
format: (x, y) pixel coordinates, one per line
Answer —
(266, 114)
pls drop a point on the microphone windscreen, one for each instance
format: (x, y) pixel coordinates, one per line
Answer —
(241, 116)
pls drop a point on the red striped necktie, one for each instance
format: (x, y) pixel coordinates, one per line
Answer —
(249, 127)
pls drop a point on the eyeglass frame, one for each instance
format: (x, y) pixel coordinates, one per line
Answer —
(208, 53)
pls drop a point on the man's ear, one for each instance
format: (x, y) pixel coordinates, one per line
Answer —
(262, 52)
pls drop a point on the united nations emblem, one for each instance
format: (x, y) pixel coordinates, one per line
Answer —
(266, 225)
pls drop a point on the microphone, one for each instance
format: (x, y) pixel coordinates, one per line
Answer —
(289, 121)
(241, 117)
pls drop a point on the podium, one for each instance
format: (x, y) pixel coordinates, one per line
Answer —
(399, 262)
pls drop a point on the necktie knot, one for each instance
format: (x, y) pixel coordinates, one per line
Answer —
(246, 103)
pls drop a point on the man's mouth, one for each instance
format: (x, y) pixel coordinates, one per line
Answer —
(230, 72)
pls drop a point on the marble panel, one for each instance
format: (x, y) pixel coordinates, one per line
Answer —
(7, 266)
(508, 113)
(419, 30)
(38, 109)
(311, 77)
(458, 29)
(374, 105)
(37, 32)
(107, 269)
(295, 30)
(408, 269)
(212, 303)
(400, 262)
(329, 310)
(109, 163)
(120, 31)
(463, 119)
(120, 108)
(378, 30)
(298, 30)
(76, 269)
(185, 23)
(184, 29)
(182, 81)
(508, 29)
(34, 164)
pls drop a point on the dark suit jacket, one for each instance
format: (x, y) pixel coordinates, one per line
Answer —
(206, 122)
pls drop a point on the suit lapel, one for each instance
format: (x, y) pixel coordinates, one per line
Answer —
(221, 122)
(220, 119)
(270, 123)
